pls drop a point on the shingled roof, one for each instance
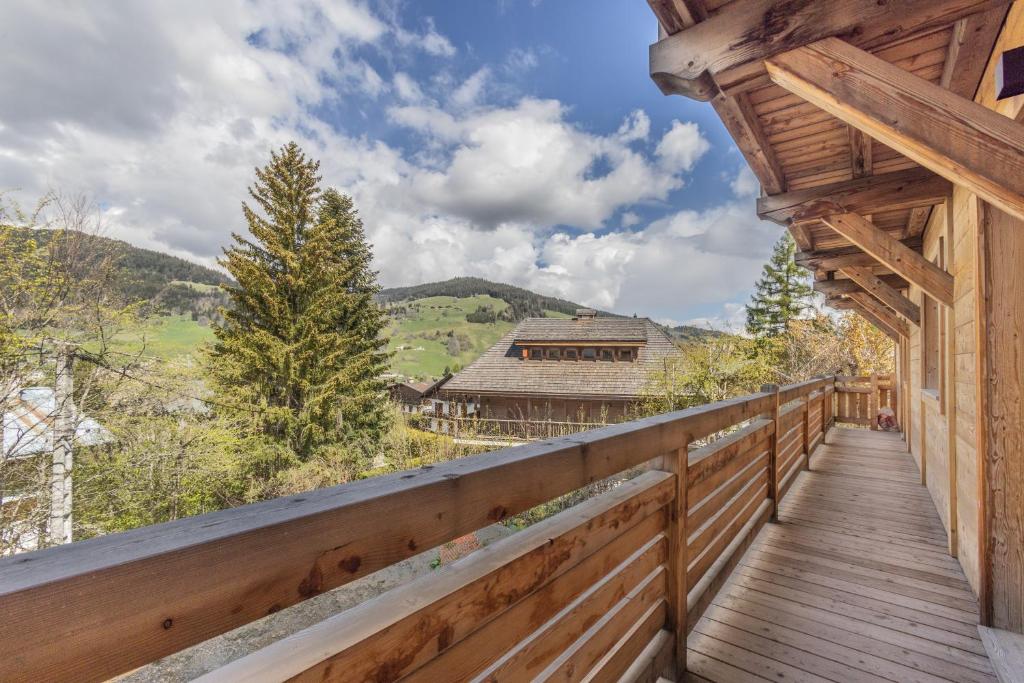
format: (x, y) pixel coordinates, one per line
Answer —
(582, 330)
(502, 369)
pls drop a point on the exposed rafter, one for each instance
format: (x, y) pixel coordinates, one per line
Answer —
(969, 48)
(883, 291)
(851, 305)
(961, 140)
(834, 259)
(916, 187)
(845, 285)
(871, 305)
(739, 118)
(753, 30)
(861, 161)
(894, 255)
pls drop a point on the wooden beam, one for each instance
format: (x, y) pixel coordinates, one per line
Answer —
(969, 48)
(860, 154)
(886, 315)
(675, 15)
(851, 305)
(834, 259)
(960, 140)
(915, 187)
(891, 253)
(752, 30)
(845, 286)
(742, 123)
(801, 233)
(884, 292)
(917, 221)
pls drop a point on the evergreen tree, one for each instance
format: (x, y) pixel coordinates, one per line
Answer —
(780, 295)
(300, 343)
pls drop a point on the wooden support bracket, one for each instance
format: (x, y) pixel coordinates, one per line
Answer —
(882, 291)
(890, 252)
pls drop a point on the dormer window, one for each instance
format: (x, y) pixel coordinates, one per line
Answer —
(625, 354)
(607, 354)
(589, 353)
(536, 354)
(553, 354)
(569, 354)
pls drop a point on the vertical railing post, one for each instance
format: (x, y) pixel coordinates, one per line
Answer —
(807, 431)
(773, 453)
(826, 407)
(874, 402)
(679, 559)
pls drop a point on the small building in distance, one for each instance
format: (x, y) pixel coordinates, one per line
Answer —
(415, 397)
(583, 369)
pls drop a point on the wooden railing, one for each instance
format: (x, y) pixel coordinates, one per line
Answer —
(606, 588)
(486, 428)
(858, 399)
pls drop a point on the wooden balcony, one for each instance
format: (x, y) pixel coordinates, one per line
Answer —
(851, 583)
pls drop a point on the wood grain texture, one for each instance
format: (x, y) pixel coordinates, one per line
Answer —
(959, 139)
(753, 30)
(854, 584)
(894, 255)
(884, 292)
(907, 189)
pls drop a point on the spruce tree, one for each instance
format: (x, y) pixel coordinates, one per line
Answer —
(780, 295)
(300, 342)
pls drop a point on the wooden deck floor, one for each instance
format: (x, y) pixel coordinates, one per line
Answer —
(853, 584)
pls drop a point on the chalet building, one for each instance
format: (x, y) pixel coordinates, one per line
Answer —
(417, 397)
(583, 369)
(750, 539)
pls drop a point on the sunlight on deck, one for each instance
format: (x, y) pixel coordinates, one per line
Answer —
(853, 584)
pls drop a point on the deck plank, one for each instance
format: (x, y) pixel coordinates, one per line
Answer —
(852, 584)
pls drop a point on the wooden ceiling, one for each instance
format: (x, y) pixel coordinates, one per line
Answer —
(799, 151)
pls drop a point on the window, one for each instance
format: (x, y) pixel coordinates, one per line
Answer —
(607, 354)
(536, 354)
(589, 354)
(569, 354)
(625, 354)
(553, 354)
(933, 336)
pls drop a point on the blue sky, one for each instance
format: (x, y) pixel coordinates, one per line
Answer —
(519, 140)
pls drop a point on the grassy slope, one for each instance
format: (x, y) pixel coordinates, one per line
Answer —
(167, 336)
(420, 340)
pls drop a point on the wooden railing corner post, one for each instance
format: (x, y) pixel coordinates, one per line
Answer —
(874, 402)
(677, 462)
(773, 453)
(807, 430)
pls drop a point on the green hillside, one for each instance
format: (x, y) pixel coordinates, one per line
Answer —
(430, 334)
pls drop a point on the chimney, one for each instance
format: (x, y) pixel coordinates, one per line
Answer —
(585, 314)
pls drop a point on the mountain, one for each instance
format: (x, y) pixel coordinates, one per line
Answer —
(522, 303)
(167, 283)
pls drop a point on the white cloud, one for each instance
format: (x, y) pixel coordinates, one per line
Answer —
(406, 87)
(745, 184)
(733, 318)
(629, 219)
(470, 92)
(527, 164)
(682, 146)
(636, 126)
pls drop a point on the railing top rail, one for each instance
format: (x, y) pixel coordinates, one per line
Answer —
(126, 599)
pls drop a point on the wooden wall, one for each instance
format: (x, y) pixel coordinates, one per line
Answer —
(557, 410)
(1002, 257)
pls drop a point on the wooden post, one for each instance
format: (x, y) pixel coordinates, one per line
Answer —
(873, 402)
(679, 560)
(807, 431)
(63, 430)
(826, 409)
(773, 454)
